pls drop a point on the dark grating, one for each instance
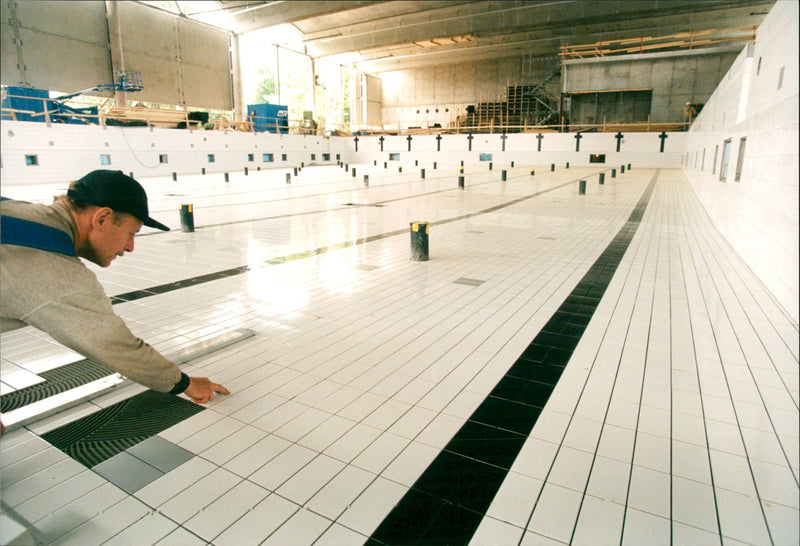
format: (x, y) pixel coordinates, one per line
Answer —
(100, 436)
(56, 381)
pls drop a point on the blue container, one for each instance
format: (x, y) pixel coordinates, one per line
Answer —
(27, 99)
(270, 118)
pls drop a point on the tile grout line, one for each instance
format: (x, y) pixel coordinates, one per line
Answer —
(462, 511)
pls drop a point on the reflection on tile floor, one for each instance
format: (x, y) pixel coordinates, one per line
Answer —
(675, 419)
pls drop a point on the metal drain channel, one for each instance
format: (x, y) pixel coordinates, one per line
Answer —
(74, 383)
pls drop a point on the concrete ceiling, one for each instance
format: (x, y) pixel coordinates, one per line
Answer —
(398, 34)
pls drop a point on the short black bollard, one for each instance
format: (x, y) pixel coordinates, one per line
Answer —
(503, 175)
(512, 164)
(399, 168)
(602, 178)
(462, 162)
(622, 169)
(384, 165)
(461, 170)
(203, 170)
(366, 180)
(354, 172)
(346, 167)
(582, 187)
(419, 241)
(288, 178)
(552, 167)
(490, 165)
(568, 164)
(246, 171)
(374, 162)
(416, 162)
(629, 166)
(174, 177)
(227, 178)
(302, 164)
(613, 173)
(533, 172)
(461, 182)
(187, 218)
(434, 165)
(422, 174)
(295, 171)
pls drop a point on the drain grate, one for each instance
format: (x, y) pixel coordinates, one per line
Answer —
(57, 380)
(112, 430)
(469, 282)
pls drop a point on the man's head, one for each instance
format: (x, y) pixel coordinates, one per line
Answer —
(110, 209)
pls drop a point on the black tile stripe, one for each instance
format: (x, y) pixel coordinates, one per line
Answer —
(448, 501)
(168, 287)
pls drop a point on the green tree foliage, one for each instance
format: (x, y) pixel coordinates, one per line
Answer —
(267, 87)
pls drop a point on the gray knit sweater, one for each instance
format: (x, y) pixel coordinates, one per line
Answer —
(61, 296)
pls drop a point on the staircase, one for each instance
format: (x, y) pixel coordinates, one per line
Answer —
(525, 106)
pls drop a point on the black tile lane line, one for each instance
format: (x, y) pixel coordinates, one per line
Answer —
(184, 283)
(347, 191)
(448, 501)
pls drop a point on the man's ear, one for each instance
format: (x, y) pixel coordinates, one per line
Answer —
(101, 216)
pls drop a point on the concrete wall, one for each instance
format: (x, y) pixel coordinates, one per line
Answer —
(67, 152)
(638, 149)
(54, 45)
(675, 78)
(438, 94)
(758, 213)
(64, 46)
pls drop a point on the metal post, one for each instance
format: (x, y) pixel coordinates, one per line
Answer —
(582, 187)
(187, 218)
(419, 241)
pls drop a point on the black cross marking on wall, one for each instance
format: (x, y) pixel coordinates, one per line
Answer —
(504, 137)
(578, 138)
(618, 136)
(381, 141)
(409, 142)
(663, 136)
(470, 141)
(438, 143)
(356, 141)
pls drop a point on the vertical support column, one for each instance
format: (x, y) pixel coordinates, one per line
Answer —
(115, 48)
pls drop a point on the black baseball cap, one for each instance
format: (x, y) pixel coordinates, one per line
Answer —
(115, 190)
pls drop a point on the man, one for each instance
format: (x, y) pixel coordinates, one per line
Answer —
(43, 282)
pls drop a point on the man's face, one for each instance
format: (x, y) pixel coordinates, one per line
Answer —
(110, 236)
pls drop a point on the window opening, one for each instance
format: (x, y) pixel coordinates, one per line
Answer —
(726, 153)
(740, 160)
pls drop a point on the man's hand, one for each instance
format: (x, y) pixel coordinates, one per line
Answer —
(201, 389)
